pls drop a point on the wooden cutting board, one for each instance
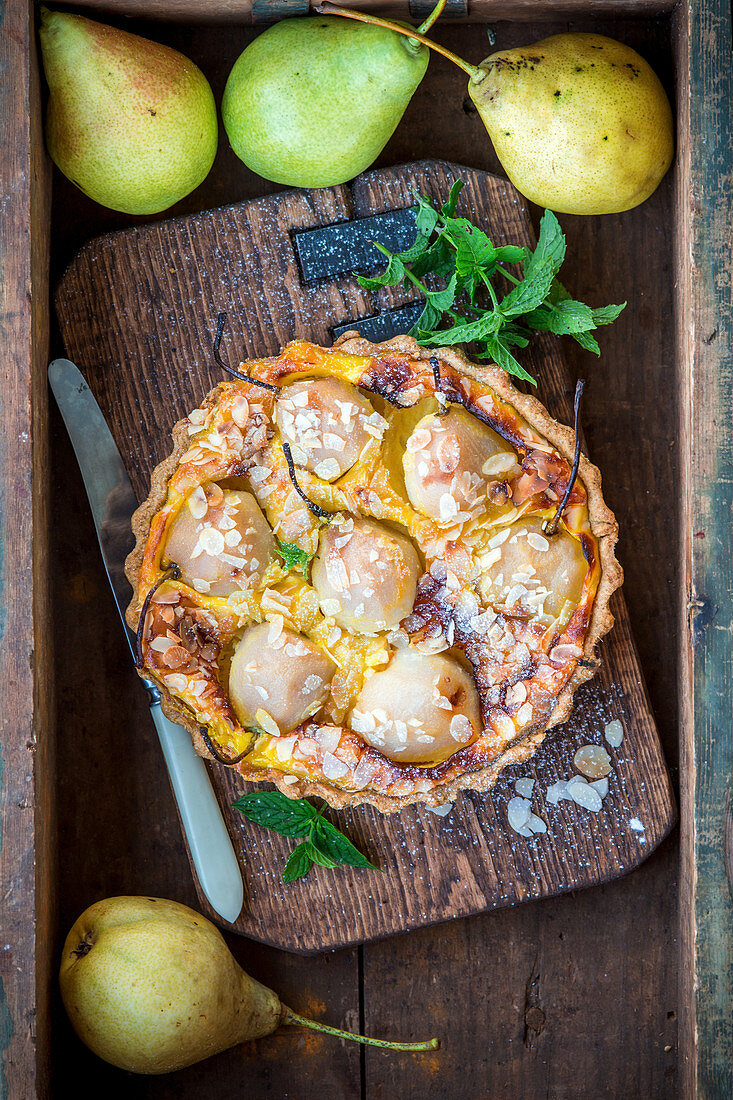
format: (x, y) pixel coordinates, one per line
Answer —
(137, 311)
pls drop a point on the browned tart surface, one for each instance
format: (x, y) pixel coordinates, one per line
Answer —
(349, 589)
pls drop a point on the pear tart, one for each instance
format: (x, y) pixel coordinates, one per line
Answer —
(345, 579)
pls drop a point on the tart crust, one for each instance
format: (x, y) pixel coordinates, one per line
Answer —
(603, 527)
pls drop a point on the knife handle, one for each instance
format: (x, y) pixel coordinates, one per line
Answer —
(217, 867)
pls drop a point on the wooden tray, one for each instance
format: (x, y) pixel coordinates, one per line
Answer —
(543, 982)
(137, 310)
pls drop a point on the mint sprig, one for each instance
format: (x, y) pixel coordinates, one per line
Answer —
(323, 845)
(470, 308)
(293, 556)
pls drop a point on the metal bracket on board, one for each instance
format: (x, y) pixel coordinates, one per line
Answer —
(338, 250)
(269, 11)
(420, 9)
(342, 248)
(383, 326)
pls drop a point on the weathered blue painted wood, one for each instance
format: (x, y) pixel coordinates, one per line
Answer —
(705, 79)
(25, 737)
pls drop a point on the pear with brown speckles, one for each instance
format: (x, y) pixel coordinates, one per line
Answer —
(580, 122)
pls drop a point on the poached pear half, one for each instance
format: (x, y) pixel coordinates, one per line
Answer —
(312, 102)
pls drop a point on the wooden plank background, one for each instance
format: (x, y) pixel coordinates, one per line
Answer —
(267, 11)
(567, 997)
(27, 890)
(705, 327)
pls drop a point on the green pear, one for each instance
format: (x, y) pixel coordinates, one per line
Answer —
(130, 122)
(150, 986)
(580, 122)
(312, 102)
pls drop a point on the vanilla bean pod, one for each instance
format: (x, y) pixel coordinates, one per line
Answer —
(313, 507)
(221, 321)
(173, 573)
(550, 526)
(213, 749)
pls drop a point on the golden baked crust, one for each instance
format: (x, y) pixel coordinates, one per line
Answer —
(397, 369)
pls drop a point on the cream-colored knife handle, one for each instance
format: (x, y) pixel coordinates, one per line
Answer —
(211, 848)
(112, 501)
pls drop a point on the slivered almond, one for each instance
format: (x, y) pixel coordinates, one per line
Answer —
(559, 654)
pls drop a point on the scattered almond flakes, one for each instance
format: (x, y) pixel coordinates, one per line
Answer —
(442, 811)
(593, 761)
(614, 733)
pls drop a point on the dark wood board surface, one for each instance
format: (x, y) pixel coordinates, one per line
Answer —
(136, 311)
(600, 966)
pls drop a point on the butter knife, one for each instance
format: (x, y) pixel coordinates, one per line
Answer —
(112, 502)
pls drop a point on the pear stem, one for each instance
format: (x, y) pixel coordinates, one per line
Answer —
(293, 1019)
(473, 71)
(435, 14)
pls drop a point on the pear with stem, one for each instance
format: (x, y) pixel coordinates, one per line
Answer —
(151, 986)
(580, 122)
(312, 102)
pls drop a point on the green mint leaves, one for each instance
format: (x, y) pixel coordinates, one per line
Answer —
(470, 308)
(324, 844)
(293, 556)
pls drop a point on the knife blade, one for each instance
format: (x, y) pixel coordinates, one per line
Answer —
(112, 501)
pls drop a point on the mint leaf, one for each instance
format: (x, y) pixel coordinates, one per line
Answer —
(448, 209)
(437, 260)
(569, 316)
(565, 318)
(332, 843)
(393, 274)
(441, 300)
(466, 333)
(426, 216)
(550, 247)
(298, 863)
(321, 858)
(474, 250)
(426, 322)
(510, 254)
(587, 342)
(532, 291)
(416, 250)
(558, 293)
(501, 355)
(273, 810)
(293, 556)
(515, 336)
(324, 845)
(605, 315)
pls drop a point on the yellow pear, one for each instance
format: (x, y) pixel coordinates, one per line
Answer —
(150, 986)
(580, 122)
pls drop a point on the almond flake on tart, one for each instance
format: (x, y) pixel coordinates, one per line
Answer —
(436, 632)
